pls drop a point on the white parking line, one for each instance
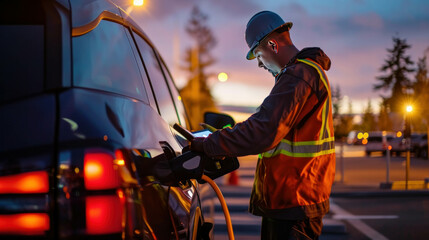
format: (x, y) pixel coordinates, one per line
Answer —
(353, 217)
(358, 224)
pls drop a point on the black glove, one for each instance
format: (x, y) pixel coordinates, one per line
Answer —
(197, 144)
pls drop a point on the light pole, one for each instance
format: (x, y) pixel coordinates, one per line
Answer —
(407, 136)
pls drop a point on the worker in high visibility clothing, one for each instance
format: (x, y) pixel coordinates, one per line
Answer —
(292, 132)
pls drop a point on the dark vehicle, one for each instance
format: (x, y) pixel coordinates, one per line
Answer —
(378, 142)
(398, 145)
(84, 97)
(420, 145)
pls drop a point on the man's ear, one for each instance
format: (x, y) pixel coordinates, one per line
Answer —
(273, 45)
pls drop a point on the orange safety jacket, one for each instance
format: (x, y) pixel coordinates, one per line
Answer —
(294, 130)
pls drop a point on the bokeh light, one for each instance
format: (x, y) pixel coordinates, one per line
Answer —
(223, 77)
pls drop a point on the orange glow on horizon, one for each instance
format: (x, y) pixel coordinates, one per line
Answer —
(30, 182)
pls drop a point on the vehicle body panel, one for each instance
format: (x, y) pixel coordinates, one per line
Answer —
(378, 142)
(51, 129)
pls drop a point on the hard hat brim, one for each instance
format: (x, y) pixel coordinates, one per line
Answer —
(285, 27)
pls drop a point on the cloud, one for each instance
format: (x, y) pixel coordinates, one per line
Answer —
(369, 20)
(235, 8)
(292, 11)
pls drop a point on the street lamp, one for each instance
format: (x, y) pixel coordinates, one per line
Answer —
(407, 136)
(407, 125)
(138, 2)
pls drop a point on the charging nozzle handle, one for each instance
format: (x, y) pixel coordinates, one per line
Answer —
(188, 135)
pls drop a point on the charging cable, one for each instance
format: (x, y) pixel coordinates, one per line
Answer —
(223, 204)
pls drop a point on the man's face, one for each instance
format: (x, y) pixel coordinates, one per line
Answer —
(265, 57)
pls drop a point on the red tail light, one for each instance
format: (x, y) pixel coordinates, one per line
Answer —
(103, 214)
(100, 171)
(30, 182)
(24, 224)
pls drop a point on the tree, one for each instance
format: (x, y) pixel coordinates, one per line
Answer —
(421, 96)
(384, 121)
(368, 119)
(350, 107)
(344, 127)
(196, 94)
(336, 102)
(343, 123)
(397, 67)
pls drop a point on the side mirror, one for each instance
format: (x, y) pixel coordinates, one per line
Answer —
(218, 120)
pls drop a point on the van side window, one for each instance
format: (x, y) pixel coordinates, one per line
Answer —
(103, 60)
(22, 61)
(156, 77)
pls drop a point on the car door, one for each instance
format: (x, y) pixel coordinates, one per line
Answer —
(111, 109)
(183, 199)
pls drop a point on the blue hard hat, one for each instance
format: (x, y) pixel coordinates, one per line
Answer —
(261, 25)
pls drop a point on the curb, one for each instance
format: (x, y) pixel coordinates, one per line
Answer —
(385, 193)
(333, 226)
(330, 226)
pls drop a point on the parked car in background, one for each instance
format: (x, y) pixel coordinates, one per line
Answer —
(357, 137)
(419, 145)
(378, 142)
(85, 99)
(398, 145)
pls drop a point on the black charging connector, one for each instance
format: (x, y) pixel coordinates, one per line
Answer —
(212, 167)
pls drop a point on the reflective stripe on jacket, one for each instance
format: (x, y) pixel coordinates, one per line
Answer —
(293, 130)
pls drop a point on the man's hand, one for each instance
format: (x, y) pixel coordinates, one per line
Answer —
(197, 144)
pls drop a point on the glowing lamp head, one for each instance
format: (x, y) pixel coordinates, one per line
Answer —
(138, 3)
(409, 108)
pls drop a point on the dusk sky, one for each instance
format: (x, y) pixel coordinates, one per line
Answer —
(353, 33)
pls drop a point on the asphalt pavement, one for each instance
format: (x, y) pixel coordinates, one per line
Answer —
(356, 191)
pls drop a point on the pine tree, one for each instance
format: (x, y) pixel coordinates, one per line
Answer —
(421, 95)
(343, 123)
(397, 67)
(368, 119)
(336, 102)
(384, 121)
(196, 94)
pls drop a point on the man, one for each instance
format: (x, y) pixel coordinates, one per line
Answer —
(292, 130)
